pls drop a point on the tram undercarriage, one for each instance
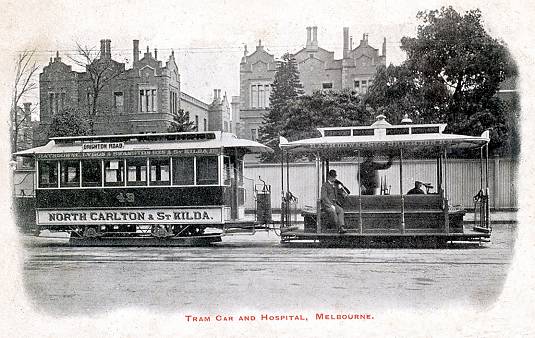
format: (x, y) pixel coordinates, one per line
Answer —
(143, 235)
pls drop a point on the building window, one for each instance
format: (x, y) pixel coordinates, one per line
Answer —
(173, 102)
(205, 125)
(361, 86)
(327, 85)
(148, 100)
(118, 100)
(260, 95)
(196, 122)
(56, 102)
(254, 134)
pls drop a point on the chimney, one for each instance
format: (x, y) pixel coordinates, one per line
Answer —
(136, 51)
(315, 36)
(102, 48)
(27, 111)
(309, 36)
(351, 43)
(346, 43)
(108, 49)
(219, 93)
(384, 47)
(156, 53)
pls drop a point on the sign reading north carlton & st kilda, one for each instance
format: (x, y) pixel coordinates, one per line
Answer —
(131, 216)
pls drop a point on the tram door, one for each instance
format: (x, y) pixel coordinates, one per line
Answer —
(233, 177)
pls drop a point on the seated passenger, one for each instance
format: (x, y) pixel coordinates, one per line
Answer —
(331, 200)
(417, 190)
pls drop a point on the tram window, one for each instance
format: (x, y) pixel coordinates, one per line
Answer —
(69, 173)
(183, 171)
(159, 171)
(228, 170)
(91, 173)
(114, 173)
(207, 170)
(137, 171)
(48, 174)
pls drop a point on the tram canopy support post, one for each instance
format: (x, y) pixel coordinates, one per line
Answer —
(446, 202)
(401, 190)
(288, 207)
(361, 228)
(235, 181)
(283, 206)
(318, 195)
(487, 209)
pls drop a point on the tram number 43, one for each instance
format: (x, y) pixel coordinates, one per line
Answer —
(125, 198)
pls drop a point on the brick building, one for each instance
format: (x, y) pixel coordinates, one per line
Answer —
(142, 99)
(318, 70)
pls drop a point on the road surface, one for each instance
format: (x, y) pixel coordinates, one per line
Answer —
(256, 272)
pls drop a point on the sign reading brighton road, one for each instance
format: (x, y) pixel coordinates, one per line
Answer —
(131, 216)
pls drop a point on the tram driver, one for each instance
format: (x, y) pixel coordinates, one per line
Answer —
(331, 200)
(369, 176)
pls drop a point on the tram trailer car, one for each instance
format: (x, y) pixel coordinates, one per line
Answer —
(387, 215)
(157, 187)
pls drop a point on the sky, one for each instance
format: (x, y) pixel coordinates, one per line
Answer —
(208, 37)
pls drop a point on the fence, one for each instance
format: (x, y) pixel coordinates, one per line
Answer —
(462, 180)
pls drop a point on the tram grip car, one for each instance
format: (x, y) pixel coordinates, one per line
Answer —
(388, 215)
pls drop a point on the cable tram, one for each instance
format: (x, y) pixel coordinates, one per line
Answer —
(385, 211)
(165, 189)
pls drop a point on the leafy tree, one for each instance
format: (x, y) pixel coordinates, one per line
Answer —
(181, 123)
(69, 122)
(324, 109)
(285, 87)
(452, 74)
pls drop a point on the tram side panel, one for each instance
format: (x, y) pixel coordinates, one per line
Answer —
(61, 209)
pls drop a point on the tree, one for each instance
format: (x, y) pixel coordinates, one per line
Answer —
(69, 122)
(100, 70)
(181, 123)
(25, 70)
(452, 74)
(324, 109)
(285, 87)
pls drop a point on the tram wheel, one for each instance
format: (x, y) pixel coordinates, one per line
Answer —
(159, 231)
(90, 232)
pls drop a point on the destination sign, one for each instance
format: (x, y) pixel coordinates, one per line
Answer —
(130, 216)
(102, 146)
(128, 153)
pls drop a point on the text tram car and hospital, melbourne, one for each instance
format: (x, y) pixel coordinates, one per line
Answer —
(161, 188)
(390, 216)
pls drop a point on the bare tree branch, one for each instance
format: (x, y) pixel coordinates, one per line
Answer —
(25, 70)
(100, 70)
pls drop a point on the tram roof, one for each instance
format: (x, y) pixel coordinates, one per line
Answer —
(382, 135)
(146, 142)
